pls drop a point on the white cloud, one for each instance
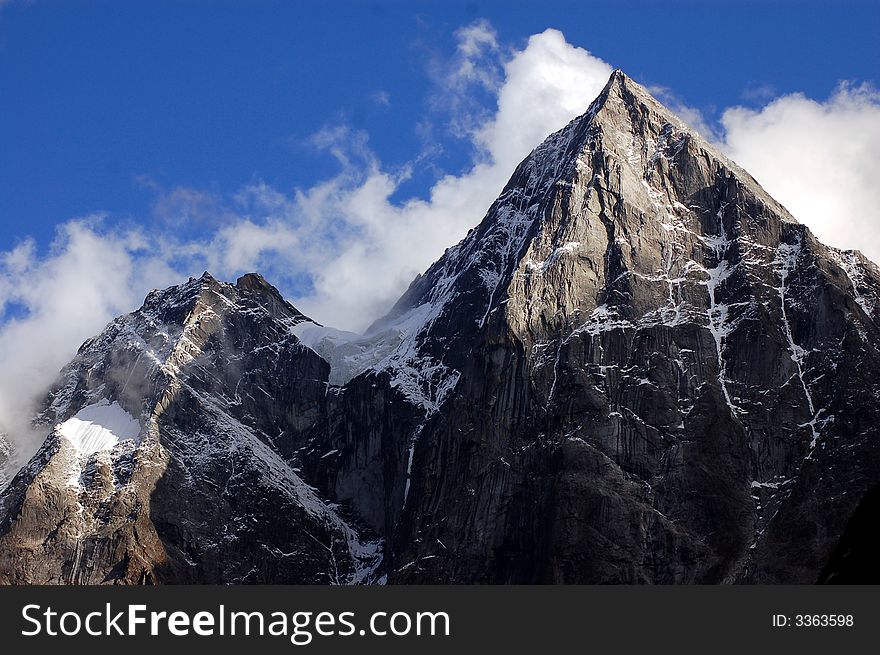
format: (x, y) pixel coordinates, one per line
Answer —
(545, 86)
(819, 159)
(476, 42)
(70, 294)
(463, 82)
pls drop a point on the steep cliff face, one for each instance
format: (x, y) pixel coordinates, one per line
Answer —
(637, 368)
(6, 461)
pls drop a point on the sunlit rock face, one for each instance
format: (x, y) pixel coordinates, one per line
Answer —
(638, 368)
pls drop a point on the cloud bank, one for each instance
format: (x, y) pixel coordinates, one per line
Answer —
(344, 249)
(819, 159)
(88, 277)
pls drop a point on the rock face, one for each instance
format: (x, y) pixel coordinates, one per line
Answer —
(639, 368)
(5, 460)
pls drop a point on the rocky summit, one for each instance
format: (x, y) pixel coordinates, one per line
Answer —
(638, 368)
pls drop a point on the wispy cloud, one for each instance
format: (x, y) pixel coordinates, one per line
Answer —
(759, 92)
(464, 81)
(381, 98)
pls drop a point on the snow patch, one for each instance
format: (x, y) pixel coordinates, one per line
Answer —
(718, 312)
(852, 267)
(540, 267)
(786, 262)
(350, 354)
(99, 427)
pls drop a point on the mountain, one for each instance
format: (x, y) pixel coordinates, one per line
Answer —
(638, 368)
(164, 457)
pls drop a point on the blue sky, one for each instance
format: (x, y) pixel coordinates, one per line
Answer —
(101, 103)
(339, 148)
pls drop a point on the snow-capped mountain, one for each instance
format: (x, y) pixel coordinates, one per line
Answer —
(637, 368)
(171, 453)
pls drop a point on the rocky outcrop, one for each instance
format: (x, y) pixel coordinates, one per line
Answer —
(638, 368)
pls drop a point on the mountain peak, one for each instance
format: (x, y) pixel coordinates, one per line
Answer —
(618, 81)
(622, 87)
(626, 199)
(256, 283)
(637, 127)
(623, 96)
(176, 302)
